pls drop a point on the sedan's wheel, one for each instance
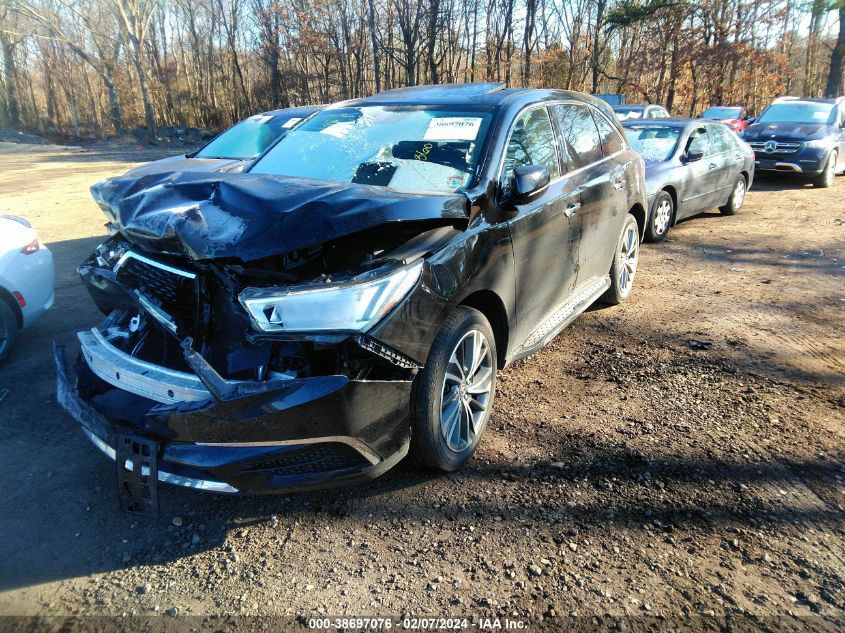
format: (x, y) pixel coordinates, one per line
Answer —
(624, 266)
(8, 330)
(453, 394)
(737, 197)
(829, 174)
(661, 218)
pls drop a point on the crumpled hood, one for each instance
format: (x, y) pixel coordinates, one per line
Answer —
(252, 216)
(786, 131)
(184, 163)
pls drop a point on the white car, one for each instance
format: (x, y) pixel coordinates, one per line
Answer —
(26, 279)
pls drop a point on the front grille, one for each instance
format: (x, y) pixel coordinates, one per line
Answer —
(312, 458)
(779, 148)
(174, 290)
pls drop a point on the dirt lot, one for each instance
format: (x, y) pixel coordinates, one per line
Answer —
(623, 473)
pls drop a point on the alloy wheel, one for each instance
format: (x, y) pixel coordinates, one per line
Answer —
(628, 256)
(466, 391)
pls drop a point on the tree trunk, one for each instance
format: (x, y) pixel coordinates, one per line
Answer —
(837, 58)
(371, 19)
(10, 71)
(149, 117)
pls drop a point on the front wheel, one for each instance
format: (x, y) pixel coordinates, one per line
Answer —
(827, 177)
(734, 203)
(625, 260)
(661, 218)
(453, 394)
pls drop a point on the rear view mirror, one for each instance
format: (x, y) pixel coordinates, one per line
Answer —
(527, 181)
(693, 156)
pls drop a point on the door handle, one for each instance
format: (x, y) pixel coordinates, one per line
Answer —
(712, 166)
(571, 208)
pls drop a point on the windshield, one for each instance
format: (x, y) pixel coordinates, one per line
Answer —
(247, 139)
(408, 148)
(721, 113)
(818, 113)
(654, 144)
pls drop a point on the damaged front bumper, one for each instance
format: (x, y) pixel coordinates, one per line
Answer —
(290, 435)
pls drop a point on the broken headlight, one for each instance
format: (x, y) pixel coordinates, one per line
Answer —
(349, 307)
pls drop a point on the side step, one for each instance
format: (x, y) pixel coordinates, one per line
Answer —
(563, 316)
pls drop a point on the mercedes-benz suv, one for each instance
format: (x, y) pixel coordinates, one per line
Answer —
(804, 137)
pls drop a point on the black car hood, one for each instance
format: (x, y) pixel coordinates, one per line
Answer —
(185, 163)
(786, 131)
(252, 216)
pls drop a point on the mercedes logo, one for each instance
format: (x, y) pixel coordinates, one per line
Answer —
(770, 147)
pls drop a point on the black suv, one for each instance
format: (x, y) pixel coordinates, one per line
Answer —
(800, 136)
(351, 297)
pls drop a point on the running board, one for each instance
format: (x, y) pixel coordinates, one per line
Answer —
(562, 317)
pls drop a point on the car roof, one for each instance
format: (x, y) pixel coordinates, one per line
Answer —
(300, 111)
(468, 94)
(678, 123)
(808, 100)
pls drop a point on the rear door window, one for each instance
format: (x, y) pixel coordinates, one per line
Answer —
(611, 141)
(579, 132)
(722, 141)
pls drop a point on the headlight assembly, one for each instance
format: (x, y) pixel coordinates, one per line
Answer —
(343, 307)
(821, 143)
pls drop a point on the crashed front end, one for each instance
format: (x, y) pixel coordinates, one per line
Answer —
(231, 373)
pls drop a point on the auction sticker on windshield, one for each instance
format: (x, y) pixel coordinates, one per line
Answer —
(453, 128)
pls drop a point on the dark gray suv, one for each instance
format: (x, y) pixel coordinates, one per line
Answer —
(350, 298)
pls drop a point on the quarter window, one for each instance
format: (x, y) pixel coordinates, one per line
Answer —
(579, 131)
(611, 141)
(531, 143)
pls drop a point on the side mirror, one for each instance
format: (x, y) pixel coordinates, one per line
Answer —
(750, 119)
(691, 157)
(527, 181)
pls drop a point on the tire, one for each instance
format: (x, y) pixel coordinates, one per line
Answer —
(8, 330)
(625, 259)
(661, 218)
(734, 203)
(435, 389)
(826, 178)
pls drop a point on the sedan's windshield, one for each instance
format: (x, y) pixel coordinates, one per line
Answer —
(721, 112)
(408, 148)
(818, 113)
(247, 139)
(653, 143)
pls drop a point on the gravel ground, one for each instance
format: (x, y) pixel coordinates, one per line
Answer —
(676, 459)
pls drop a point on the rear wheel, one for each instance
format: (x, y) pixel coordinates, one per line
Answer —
(624, 266)
(8, 330)
(826, 178)
(453, 394)
(734, 203)
(661, 218)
